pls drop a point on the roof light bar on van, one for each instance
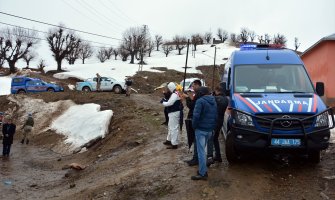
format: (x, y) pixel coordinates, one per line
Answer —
(260, 46)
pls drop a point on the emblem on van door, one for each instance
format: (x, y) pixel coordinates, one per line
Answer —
(286, 123)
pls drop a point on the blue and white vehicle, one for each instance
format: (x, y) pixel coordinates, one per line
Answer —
(22, 84)
(273, 104)
(107, 84)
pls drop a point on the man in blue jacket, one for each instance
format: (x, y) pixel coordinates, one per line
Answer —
(203, 122)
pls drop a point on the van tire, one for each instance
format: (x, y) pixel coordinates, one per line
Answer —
(117, 89)
(231, 153)
(51, 90)
(314, 156)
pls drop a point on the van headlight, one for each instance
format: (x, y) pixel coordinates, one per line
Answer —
(243, 119)
(322, 120)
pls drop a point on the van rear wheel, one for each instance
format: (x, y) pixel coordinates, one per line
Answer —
(117, 89)
(21, 92)
(232, 154)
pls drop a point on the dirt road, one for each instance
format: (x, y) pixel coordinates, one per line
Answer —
(132, 163)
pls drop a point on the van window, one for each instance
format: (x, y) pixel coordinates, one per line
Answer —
(18, 80)
(271, 79)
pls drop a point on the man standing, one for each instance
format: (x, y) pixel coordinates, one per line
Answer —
(173, 108)
(27, 127)
(222, 103)
(129, 82)
(98, 82)
(190, 103)
(203, 122)
(8, 131)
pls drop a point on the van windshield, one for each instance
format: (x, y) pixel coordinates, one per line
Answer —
(271, 79)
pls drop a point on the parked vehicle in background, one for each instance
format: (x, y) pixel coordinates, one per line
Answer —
(23, 84)
(273, 105)
(189, 81)
(107, 84)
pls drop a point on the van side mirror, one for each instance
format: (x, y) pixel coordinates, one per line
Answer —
(320, 88)
(224, 88)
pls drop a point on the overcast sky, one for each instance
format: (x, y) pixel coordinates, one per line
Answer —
(309, 20)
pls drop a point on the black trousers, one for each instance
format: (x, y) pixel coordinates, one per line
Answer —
(6, 149)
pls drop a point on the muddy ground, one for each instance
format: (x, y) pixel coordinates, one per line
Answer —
(132, 163)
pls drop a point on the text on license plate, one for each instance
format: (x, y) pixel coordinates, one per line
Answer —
(285, 142)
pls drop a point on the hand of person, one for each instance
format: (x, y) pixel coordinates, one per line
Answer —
(162, 100)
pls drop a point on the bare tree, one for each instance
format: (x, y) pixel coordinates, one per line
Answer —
(116, 52)
(158, 41)
(73, 55)
(61, 44)
(109, 52)
(41, 66)
(260, 39)
(196, 39)
(2, 51)
(233, 38)
(167, 48)
(101, 54)
(219, 33)
(279, 39)
(151, 46)
(267, 38)
(16, 43)
(208, 37)
(134, 39)
(252, 35)
(85, 51)
(180, 43)
(124, 53)
(29, 57)
(296, 43)
(244, 35)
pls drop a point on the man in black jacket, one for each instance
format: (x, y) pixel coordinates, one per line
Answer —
(8, 131)
(222, 103)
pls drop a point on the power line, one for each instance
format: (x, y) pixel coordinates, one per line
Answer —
(92, 19)
(45, 23)
(97, 13)
(47, 33)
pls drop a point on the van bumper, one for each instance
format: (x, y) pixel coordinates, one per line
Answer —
(245, 140)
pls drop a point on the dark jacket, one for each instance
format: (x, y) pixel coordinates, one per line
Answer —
(29, 122)
(221, 103)
(190, 104)
(8, 131)
(205, 113)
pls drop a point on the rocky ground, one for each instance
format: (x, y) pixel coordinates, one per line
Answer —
(132, 163)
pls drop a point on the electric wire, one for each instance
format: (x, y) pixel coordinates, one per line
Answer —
(45, 23)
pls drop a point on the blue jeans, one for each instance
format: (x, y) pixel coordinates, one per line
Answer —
(201, 140)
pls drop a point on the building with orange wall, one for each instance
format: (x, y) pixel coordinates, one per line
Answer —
(319, 60)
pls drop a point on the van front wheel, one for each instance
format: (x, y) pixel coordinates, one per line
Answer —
(231, 153)
(314, 156)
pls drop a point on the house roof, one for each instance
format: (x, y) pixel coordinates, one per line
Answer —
(327, 38)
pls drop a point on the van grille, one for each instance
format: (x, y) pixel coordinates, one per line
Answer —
(287, 124)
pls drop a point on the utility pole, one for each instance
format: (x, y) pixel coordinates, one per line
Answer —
(188, 44)
(213, 69)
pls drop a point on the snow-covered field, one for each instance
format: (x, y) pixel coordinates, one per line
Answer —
(5, 85)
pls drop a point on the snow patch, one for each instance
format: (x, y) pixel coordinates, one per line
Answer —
(5, 83)
(82, 123)
(71, 87)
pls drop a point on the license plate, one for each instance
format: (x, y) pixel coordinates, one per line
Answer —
(285, 142)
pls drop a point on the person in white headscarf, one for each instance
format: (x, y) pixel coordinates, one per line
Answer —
(174, 106)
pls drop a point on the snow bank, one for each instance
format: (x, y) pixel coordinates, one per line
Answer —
(82, 123)
(5, 85)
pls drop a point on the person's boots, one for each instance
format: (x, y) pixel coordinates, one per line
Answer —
(22, 141)
(27, 142)
(167, 142)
